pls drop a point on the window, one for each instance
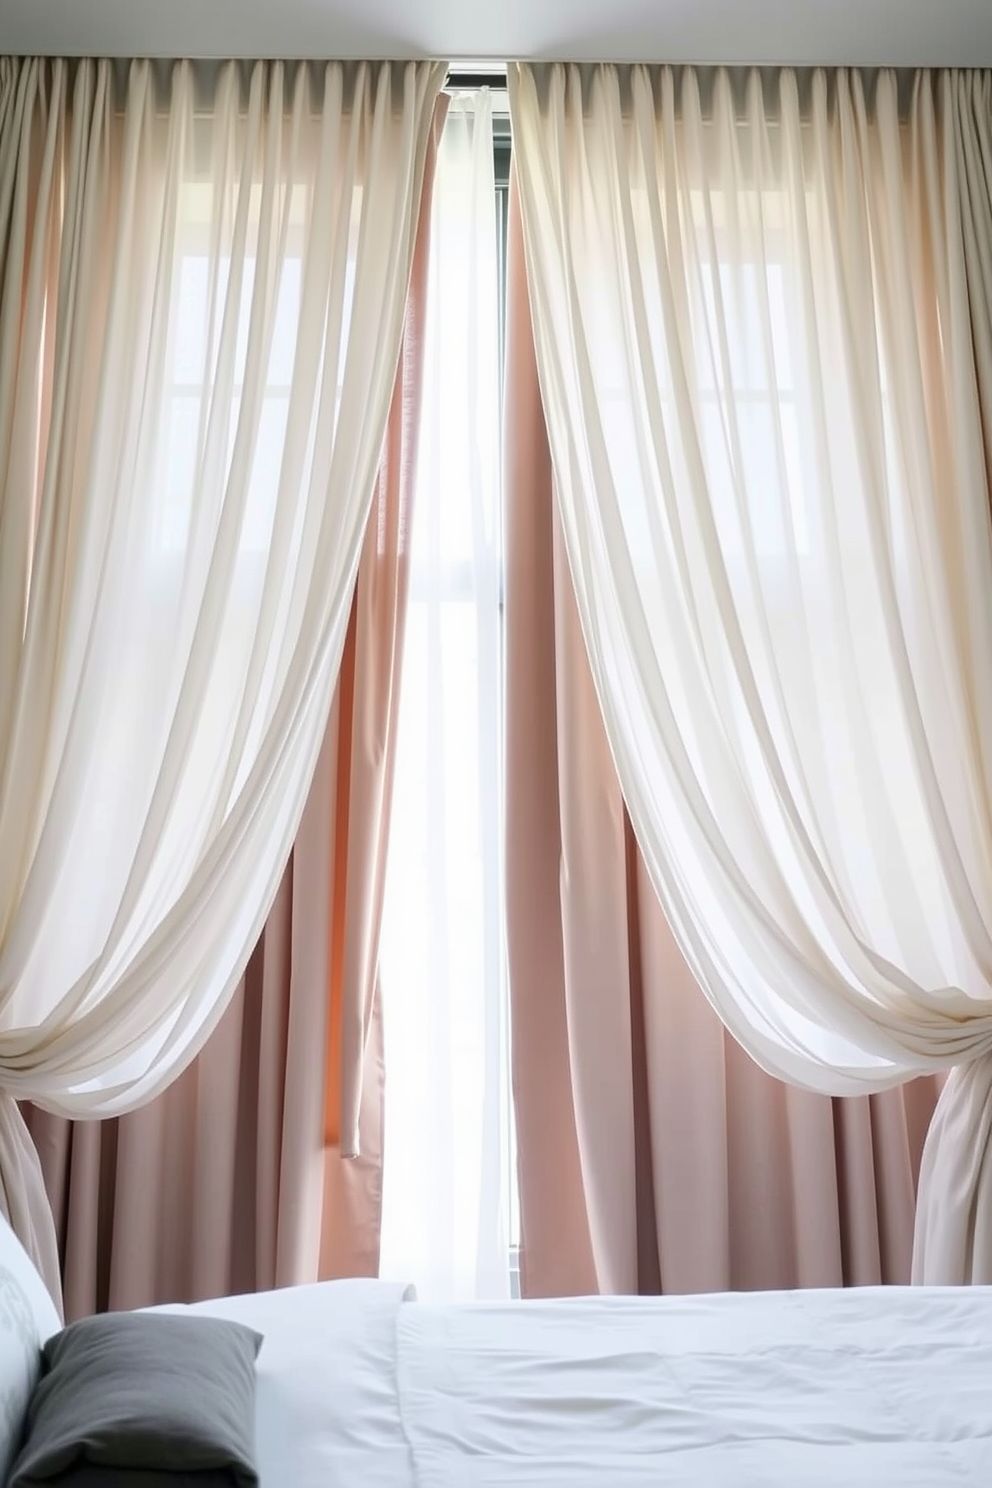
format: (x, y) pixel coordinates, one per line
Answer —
(449, 1206)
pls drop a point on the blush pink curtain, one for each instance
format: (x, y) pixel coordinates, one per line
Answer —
(653, 1154)
(262, 1165)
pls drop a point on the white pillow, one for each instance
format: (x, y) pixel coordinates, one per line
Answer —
(326, 1411)
(27, 1318)
(19, 1263)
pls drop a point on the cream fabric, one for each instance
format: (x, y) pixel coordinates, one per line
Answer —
(202, 289)
(232, 1180)
(753, 323)
(652, 1153)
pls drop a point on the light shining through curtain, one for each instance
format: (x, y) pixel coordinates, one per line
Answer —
(759, 381)
(202, 290)
(446, 1157)
(779, 535)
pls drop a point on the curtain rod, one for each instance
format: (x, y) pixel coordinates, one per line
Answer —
(483, 75)
(459, 77)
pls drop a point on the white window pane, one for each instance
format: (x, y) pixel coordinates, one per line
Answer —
(446, 1164)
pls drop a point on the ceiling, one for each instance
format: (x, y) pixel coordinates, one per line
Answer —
(867, 32)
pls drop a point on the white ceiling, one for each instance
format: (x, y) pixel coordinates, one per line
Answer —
(868, 32)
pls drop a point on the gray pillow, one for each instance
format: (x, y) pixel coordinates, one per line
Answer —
(140, 1400)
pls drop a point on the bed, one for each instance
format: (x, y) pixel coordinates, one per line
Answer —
(360, 1386)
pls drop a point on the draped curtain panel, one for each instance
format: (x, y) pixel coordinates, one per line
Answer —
(233, 1180)
(653, 1154)
(203, 276)
(759, 306)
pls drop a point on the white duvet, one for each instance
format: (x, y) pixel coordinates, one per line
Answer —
(856, 1389)
(359, 1388)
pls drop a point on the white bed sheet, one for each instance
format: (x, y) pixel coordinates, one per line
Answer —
(327, 1412)
(859, 1389)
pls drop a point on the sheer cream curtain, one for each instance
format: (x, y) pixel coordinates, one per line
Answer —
(445, 1152)
(757, 358)
(233, 1179)
(653, 1155)
(202, 288)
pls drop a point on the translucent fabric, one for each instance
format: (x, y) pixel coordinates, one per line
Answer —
(203, 276)
(760, 310)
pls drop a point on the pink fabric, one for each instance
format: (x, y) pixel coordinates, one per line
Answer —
(236, 1178)
(652, 1153)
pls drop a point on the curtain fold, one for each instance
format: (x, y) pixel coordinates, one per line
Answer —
(203, 291)
(355, 1105)
(653, 1154)
(764, 383)
(953, 1233)
(233, 1180)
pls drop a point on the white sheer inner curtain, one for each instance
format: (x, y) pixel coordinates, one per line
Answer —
(203, 276)
(753, 327)
(445, 1149)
